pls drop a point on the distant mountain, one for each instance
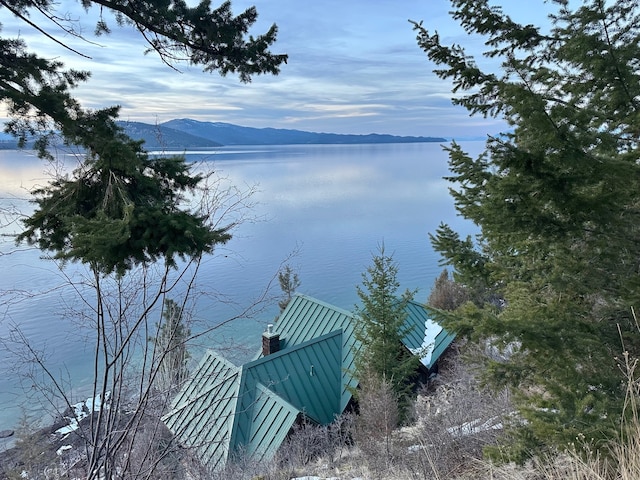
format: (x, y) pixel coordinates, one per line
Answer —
(187, 134)
(156, 137)
(160, 137)
(229, 134)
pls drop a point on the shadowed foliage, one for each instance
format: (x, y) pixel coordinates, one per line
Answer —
(556, 197)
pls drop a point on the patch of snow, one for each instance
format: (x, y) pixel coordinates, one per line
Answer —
(498, 350)
(474, 426)
(425, 351)
(548, 410)
(72, 426)
(81, 410)
(63, 449)
(316, 478)
(96, 403)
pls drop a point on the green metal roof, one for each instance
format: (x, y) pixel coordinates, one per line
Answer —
(307, 375)
(226, 409)
(203, 412)
(306, 318)
(260, 429)
(424, 334)
(250, 409)
(222, 411)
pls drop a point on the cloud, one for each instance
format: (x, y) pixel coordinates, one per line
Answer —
(354, 67)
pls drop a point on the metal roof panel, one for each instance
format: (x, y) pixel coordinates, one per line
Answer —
(308, 375)
(204, 410)
(225, 408)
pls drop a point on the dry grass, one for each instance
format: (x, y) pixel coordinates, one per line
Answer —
(439, 456)
(429, 450)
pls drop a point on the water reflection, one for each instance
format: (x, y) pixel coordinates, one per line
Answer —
(334, 204)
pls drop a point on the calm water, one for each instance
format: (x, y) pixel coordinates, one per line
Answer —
(332, 204)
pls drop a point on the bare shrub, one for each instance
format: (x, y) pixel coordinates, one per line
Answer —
(309, 442)
(194, 469)
(306, 443)
(307, 446)
(152, 451)
(29, 454)
(341, 433)
(376, 423)
(447, 294)
(456, 419)
(242, 466)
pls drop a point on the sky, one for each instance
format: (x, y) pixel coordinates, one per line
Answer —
(354, 68)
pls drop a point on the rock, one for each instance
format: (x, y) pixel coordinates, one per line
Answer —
(6, 433)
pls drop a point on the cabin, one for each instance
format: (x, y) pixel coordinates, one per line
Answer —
(303, 371)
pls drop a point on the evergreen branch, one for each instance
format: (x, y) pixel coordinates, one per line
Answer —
(40, 29)
(616, 63)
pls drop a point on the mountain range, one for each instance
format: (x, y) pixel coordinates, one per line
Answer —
(188, 134)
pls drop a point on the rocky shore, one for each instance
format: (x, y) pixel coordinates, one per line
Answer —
(57, 444)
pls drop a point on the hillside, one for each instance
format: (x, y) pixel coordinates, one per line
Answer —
(156, 137)
(162, 137)
(188, 134)
(229, 134)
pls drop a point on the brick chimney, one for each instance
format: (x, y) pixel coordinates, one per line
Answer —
(270, 341)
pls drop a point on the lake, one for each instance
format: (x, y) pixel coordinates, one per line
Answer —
(333, 205)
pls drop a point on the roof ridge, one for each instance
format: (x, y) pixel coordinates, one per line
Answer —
(420, 304)
(290, 350)
(325, 304)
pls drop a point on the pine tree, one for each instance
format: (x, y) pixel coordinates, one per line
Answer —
(557, 199)
(121, 208)
(37, 91)
(447, 294)
(380, 328)
(289, 282)
(123, 213)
